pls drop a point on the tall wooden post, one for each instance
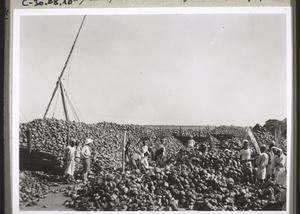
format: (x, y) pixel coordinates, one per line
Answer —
(68, 136)
(64, 101)
(64, 68)
(123, 153)
(28, 135)
(180, 131)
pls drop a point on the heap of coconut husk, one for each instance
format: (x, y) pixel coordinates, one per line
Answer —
(196, 181)
(234, 131)
(50, 135)
(209, 180)
(273, 131)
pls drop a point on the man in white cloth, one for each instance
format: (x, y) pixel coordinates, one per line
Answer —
(161, 153)
(280, 168)
(245, 158)
(144, 147)
(144, 160)
(191, 142)
(261, 163)
(70, 157)
(86, 159)
(78, 151)
(271, 165)
(144, 155)
(78, 163)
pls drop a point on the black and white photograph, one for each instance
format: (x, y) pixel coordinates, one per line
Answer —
(158, 109)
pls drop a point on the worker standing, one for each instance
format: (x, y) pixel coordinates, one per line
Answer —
(280, 168)
(261, 163)
(270, 166)
(191, 142)
(145, 155)
(144, 160)
(160, 153)
(86, 158)
(70, 158)
(144, 148)
(245, 157)
(78, 151)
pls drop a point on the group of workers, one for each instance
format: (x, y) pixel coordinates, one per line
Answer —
(191, 144)
(140, 159)
(76, 154)
(270, 164)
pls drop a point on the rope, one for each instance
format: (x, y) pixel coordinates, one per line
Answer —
(67, 100)
(65, 66)
(73, 101)
(71, 98)
(72, 107)
(70, 103)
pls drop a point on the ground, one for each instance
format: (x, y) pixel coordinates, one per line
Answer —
(54, 201)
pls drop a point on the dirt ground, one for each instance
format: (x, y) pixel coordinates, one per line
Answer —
(52, 202)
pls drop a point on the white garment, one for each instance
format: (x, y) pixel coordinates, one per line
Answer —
(135, 156)
(86, 151)
(70, 167)
(70, 153)
(279, 171)
(144, 161)
(191, 143)
(281, 178)
(246, 154)
(70, 156)
(261, 162)
(272, 159)
(144, 149)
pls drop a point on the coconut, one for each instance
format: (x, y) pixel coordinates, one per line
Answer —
(196, 175)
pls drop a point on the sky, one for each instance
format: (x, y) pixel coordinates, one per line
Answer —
(195, 69)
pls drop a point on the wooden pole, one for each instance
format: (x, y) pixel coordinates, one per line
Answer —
(28, 134)
(68, 136)
(208, 136)
(180, 131)
(123, 153)
(64, 68)
(64, 102)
